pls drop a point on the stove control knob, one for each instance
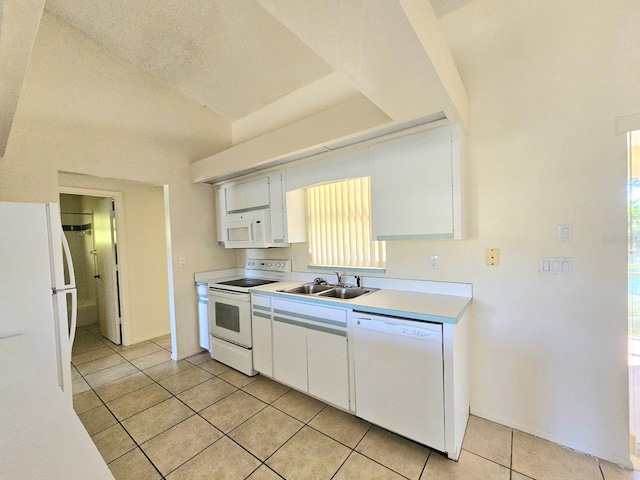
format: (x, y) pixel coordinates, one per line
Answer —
(269, 264)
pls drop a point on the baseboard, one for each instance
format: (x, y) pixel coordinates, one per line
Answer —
(608, 456)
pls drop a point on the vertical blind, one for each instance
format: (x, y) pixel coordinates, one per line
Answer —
(339, 216)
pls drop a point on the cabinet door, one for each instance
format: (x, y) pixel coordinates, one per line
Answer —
(262, 343)
(203, 316)
(235, 198)
(257, 192)
(276, 195)
(221, 213)
(250, 195)
(290, 354)
(328, 366)
(261, 332)
(412, 187)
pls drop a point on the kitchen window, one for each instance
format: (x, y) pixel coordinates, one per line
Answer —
(339, 215)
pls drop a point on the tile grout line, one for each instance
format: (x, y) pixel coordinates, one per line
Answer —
(137, 446)
(267, 404)
(119, 422)
(223, 434)
(196, 413)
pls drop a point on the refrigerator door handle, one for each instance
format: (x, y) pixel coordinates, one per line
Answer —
(67, 256)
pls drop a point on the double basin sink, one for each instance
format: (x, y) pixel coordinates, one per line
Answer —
(331, 291)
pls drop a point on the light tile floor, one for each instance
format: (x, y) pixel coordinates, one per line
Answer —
(153, 418)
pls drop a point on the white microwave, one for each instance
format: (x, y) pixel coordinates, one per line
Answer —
(250, 230)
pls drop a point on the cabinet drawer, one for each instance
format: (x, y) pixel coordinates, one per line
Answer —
(261, 303)
(310, 312)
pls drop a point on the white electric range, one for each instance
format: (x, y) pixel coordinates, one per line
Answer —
(230, 311)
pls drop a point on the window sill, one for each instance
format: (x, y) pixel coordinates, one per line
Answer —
(344, 268)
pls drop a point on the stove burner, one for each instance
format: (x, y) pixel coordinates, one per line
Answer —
(247, 282)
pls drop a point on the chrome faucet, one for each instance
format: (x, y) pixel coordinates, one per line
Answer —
(341, 277)
(319, 281)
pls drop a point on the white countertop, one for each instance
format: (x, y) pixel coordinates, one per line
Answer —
(413, 305)
(41, 435)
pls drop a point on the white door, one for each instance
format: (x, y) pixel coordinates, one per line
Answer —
(107, 280)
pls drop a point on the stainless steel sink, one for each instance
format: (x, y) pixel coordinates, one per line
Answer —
(331, 291)
(345, 293)
(308, 289)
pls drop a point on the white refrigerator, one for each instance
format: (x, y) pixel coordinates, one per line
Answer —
(33, 291)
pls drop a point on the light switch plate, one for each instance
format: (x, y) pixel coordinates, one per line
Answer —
(555, 265)
(434, 262)
(493, 256)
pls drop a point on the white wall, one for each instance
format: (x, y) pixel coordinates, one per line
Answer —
(84, 110)
(546, 81)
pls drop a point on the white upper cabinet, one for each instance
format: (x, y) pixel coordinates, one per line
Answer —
(221, 213)
(416, 187)
(278, 214)
(249, 195)
(267, 193)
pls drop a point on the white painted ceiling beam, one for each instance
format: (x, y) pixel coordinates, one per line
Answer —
(391, 50)
(317, 96)
(19, 21)
(347, 118)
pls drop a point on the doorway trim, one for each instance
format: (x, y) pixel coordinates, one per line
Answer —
(122, 254)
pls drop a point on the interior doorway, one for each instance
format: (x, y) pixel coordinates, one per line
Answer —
(90, 224)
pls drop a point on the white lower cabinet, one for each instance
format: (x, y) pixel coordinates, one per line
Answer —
(408, 377)
(290, 354)
(261, 334)
(328, 367)
(310, 350)
(203, 315)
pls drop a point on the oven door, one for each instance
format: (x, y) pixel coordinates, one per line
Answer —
(230, 316)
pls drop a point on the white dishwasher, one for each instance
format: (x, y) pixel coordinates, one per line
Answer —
(399, 380)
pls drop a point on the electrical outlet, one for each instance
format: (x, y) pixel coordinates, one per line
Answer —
(493, 256)
(297, 258)
(434, 262)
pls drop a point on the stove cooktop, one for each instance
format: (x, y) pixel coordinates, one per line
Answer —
(247, 282)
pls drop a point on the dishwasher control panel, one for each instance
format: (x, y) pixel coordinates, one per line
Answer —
(401, 327)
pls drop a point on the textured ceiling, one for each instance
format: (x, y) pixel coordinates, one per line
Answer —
(266, 66)
(229, 55)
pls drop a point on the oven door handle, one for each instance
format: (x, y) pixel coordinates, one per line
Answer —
(220, 293)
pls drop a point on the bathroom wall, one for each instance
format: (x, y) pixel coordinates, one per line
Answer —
(81, 245)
